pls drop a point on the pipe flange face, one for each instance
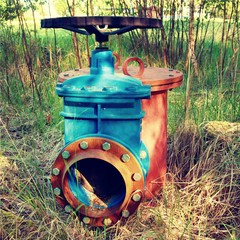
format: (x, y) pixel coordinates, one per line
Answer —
(85, 197)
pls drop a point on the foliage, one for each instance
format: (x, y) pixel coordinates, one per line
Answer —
(9, 8)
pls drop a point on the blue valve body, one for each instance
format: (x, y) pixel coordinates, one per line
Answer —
(104, 104)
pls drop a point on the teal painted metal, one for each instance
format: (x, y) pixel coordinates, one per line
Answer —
(103, 104)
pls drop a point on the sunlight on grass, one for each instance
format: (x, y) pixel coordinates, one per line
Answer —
(199, 201)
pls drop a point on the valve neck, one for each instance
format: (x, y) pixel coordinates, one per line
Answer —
(102, 61)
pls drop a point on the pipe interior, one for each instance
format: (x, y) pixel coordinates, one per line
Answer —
(97, 183)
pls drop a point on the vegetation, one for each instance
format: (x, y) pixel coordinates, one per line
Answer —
(201, 199)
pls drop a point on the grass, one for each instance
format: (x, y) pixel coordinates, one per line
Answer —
(201, 199)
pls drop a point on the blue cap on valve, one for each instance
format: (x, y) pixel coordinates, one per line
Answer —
(102, 82)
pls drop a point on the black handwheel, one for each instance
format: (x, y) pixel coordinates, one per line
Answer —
(96, 25)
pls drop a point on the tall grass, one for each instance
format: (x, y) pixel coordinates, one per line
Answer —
(199, 201)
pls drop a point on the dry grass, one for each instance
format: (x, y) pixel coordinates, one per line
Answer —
(201, 199)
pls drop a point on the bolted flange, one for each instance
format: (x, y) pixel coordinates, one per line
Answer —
(136, 197)
(86, 220)
(66, 154)
(68, 208)
(143, 154)
(125, 157)
(136, 176)
(83, 145)
(55, 171)
(125, 213)
(106, 146)
(107, 221)
(57, 191)
(111, 154)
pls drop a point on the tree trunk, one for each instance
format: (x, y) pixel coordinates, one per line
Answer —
(74, 35)
(190, 56)
(163, 34)
(221, 59)
(27, 55)
(191, 47)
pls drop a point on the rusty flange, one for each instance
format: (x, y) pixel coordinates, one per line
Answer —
(97, 155)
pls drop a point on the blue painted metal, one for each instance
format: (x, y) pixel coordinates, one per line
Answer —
(103, 104)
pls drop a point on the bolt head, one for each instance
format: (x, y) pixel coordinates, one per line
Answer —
(55, 171)
(66, 154)
(137, 176)
(143, 154)
(125, 157)
(107, 221)
(86, 220)
(125, 213)
(136, 197)
(57, 191)
(106, 146)
(83, 145)
(68, 208)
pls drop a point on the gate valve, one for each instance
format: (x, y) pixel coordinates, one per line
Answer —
(115, 126)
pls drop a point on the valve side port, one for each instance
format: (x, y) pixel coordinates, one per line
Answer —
(79, 188)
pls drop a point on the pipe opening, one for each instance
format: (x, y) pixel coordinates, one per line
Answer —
(96, 183)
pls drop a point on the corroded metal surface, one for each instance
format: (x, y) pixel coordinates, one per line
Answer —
(154, 135)
(98, 210)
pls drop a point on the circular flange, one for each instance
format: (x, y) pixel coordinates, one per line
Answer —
(97, 159)
(160, 79)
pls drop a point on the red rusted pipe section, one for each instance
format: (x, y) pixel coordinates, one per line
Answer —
(154, 125)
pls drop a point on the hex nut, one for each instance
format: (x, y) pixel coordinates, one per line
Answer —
(83, 145)
(125, 157)
(86, 220)
(125, 213)
(107, 221)
(136, 197)
(66, 154)
(55, 171)
(137, 176)
(143, 154)
(57, 191)
(106, 146)
(68, 208)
